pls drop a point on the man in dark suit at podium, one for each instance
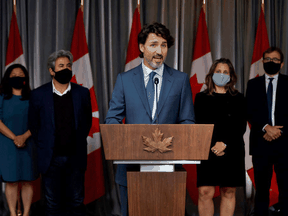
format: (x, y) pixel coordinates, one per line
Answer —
(267, 109)
(134, 95)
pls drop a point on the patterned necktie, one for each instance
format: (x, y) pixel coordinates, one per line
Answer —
(150, 90)
(269, 100)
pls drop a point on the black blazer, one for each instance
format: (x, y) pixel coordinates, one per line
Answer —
(227, 113)
(42, 126)
(257, 111)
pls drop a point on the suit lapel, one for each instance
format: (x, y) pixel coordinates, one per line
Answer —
(50, 103)
(167, 83)
(263, 90)
(76, 102)
(279, 91)
(138, 80)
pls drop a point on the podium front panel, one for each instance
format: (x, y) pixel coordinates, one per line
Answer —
(125, 141)
(156, 194)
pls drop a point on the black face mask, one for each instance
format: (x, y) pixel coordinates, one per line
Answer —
(17, 82)
(271, 67)
(63, 76)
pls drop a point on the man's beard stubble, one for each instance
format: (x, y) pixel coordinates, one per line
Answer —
(157, 65)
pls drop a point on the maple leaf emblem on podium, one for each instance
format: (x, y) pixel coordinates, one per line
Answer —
(156, 143)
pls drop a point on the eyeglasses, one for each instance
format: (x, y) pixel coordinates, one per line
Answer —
(275, 60)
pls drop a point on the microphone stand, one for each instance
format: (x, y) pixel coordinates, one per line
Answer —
(156, 81)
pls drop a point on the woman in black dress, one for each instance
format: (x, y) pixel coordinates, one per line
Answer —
(222, 105)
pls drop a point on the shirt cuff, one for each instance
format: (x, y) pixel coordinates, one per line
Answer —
(264, 127)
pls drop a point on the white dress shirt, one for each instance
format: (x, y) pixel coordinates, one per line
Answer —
(274, 82)
(59, 93)
(159, 75)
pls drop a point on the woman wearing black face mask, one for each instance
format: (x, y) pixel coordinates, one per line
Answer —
(16, 147)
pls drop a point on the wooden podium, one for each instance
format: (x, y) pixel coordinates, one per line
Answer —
(157, 189)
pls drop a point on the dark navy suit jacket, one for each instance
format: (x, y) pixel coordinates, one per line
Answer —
(257, 110)
(42, 123)
(129, 100)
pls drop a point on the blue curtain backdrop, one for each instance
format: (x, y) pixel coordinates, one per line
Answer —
(47, 26)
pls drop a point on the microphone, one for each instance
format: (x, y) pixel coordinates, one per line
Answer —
(156, 81)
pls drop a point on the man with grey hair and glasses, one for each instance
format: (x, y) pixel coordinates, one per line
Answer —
(59, 120)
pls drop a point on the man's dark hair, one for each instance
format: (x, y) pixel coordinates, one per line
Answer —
(272, 49)
(158, 29)
(5, 87)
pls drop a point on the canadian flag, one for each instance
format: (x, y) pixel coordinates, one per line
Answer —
(261, 44)
(82, 74)
(132, 57)
(201, 63)
(202, 59)
(15, 55)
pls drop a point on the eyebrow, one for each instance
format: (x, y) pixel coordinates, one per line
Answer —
(61, 64)
(158, 42)
(223, 70)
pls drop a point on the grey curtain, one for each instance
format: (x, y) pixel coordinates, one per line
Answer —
(47, 26)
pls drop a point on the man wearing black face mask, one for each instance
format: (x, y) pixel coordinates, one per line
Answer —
(267, 110)
(59, 120)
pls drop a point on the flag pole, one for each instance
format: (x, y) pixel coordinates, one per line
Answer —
(138, 6)
(204, 6)
(14, 6)
(82, 5)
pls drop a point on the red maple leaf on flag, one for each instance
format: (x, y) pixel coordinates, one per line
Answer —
(73, 79)
(195, 86)
(95, 120)
(95, 127)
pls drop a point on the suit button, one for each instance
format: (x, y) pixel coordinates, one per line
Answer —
(229, 115)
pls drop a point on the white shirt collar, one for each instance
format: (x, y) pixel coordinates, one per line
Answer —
(275, 77)
(59, 93)
(147, 70)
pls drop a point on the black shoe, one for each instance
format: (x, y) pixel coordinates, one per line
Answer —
(275, 209)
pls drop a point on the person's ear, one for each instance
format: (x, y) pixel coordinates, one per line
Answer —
(51, 72)
(141, 47)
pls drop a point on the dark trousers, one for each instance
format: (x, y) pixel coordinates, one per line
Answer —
(64, 188)
(263, 170)
(123, 200)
